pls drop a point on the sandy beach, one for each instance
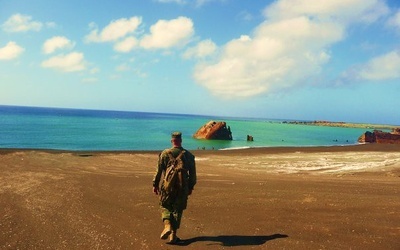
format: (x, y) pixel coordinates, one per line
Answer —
(267, 198)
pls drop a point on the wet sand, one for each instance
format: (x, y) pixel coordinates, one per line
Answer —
(267, 198)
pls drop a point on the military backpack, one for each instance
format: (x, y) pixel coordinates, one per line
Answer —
(174, 177)
(174, 188)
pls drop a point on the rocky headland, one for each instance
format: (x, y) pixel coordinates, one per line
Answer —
(378, 136)
(342, 124)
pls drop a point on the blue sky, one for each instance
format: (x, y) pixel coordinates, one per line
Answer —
(336, 60)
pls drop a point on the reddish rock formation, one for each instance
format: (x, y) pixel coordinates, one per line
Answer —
(214, 131)
(396, 131)
(381, 137)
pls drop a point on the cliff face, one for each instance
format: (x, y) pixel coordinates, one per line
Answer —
(378, 136)
(214, 131)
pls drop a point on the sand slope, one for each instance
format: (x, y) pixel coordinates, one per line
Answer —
(245, 199)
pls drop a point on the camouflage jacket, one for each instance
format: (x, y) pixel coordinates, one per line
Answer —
(189, 164)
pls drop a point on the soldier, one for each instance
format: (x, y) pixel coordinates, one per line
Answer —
(173, 203)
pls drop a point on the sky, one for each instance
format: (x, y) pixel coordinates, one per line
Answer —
(335, 60)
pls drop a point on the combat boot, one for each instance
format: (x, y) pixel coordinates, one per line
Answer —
(173, 238)
(167, 230)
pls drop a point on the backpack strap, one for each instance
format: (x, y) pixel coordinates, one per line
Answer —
(169, 152)
(180, 154)
(170, 156)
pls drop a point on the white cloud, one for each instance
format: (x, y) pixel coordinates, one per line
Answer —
(395, 20)
(383, 67)
(290, 46)
(126, 45)
(51, 25)
(123, 67)
(94, 70)
(68, 63)
(197, 3)
(90, 80)
(245, 16)
(377, 10)
(200, 3)
(57, 42)
(139, 73)
(202, 49)
(11, 51)
(21, 23)
(168, 33)
(172, 1)
(341, 11)
(115, 30)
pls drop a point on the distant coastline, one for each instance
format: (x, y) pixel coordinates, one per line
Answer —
(342, 124)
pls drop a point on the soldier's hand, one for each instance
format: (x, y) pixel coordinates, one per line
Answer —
(156, 190)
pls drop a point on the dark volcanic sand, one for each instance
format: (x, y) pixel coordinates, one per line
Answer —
(104, 200)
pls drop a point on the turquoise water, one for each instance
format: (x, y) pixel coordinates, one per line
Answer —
(71, 129)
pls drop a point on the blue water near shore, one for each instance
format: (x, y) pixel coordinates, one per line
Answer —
(73, 129)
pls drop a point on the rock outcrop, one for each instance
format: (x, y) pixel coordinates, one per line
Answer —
(378, 136)
(213, 130)
(396, 131)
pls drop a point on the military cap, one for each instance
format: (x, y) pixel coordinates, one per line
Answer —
(176, 135)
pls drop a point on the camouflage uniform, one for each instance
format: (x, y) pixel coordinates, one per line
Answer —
(172, 209)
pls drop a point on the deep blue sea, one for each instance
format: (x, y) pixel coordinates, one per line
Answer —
(74, 129)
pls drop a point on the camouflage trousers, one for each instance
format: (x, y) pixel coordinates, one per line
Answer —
(173, 215)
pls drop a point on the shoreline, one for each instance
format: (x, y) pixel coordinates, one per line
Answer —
(343, 124)
(284, 149)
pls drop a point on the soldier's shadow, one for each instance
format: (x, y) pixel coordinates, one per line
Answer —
(233, 240)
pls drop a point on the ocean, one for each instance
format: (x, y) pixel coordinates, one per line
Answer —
(96, 130)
